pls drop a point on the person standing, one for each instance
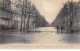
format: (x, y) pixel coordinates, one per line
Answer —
(62, 27)
(57, 27)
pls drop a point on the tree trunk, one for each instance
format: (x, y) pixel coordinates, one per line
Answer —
(24, 25)
(21, 25)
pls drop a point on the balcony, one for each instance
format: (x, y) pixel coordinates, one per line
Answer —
(7, 10)
(5, 18)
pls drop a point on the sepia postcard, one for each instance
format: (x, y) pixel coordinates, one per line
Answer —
(39, 24)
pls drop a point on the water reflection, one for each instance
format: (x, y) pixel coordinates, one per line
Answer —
(71, 38)
(16, 37)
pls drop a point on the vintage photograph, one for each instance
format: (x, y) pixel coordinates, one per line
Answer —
(39, 24)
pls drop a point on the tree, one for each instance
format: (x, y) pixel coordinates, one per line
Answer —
(23, 6)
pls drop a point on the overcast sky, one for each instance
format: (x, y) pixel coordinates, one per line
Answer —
(49, 8)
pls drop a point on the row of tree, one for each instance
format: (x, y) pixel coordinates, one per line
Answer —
(28, 11)
(69, 16)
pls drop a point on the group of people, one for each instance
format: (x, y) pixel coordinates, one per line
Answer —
(60, 29)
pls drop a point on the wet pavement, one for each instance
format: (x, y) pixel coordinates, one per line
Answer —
(40, 36)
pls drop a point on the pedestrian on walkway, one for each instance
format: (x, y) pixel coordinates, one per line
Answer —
(57, 27)
(62, 27)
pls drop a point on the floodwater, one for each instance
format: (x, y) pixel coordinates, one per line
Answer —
(44, 36)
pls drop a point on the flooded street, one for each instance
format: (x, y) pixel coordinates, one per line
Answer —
(45, 36)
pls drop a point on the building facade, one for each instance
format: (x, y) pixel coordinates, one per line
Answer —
(6, 13)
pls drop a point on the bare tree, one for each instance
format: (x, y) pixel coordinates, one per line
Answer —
(22, 6)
